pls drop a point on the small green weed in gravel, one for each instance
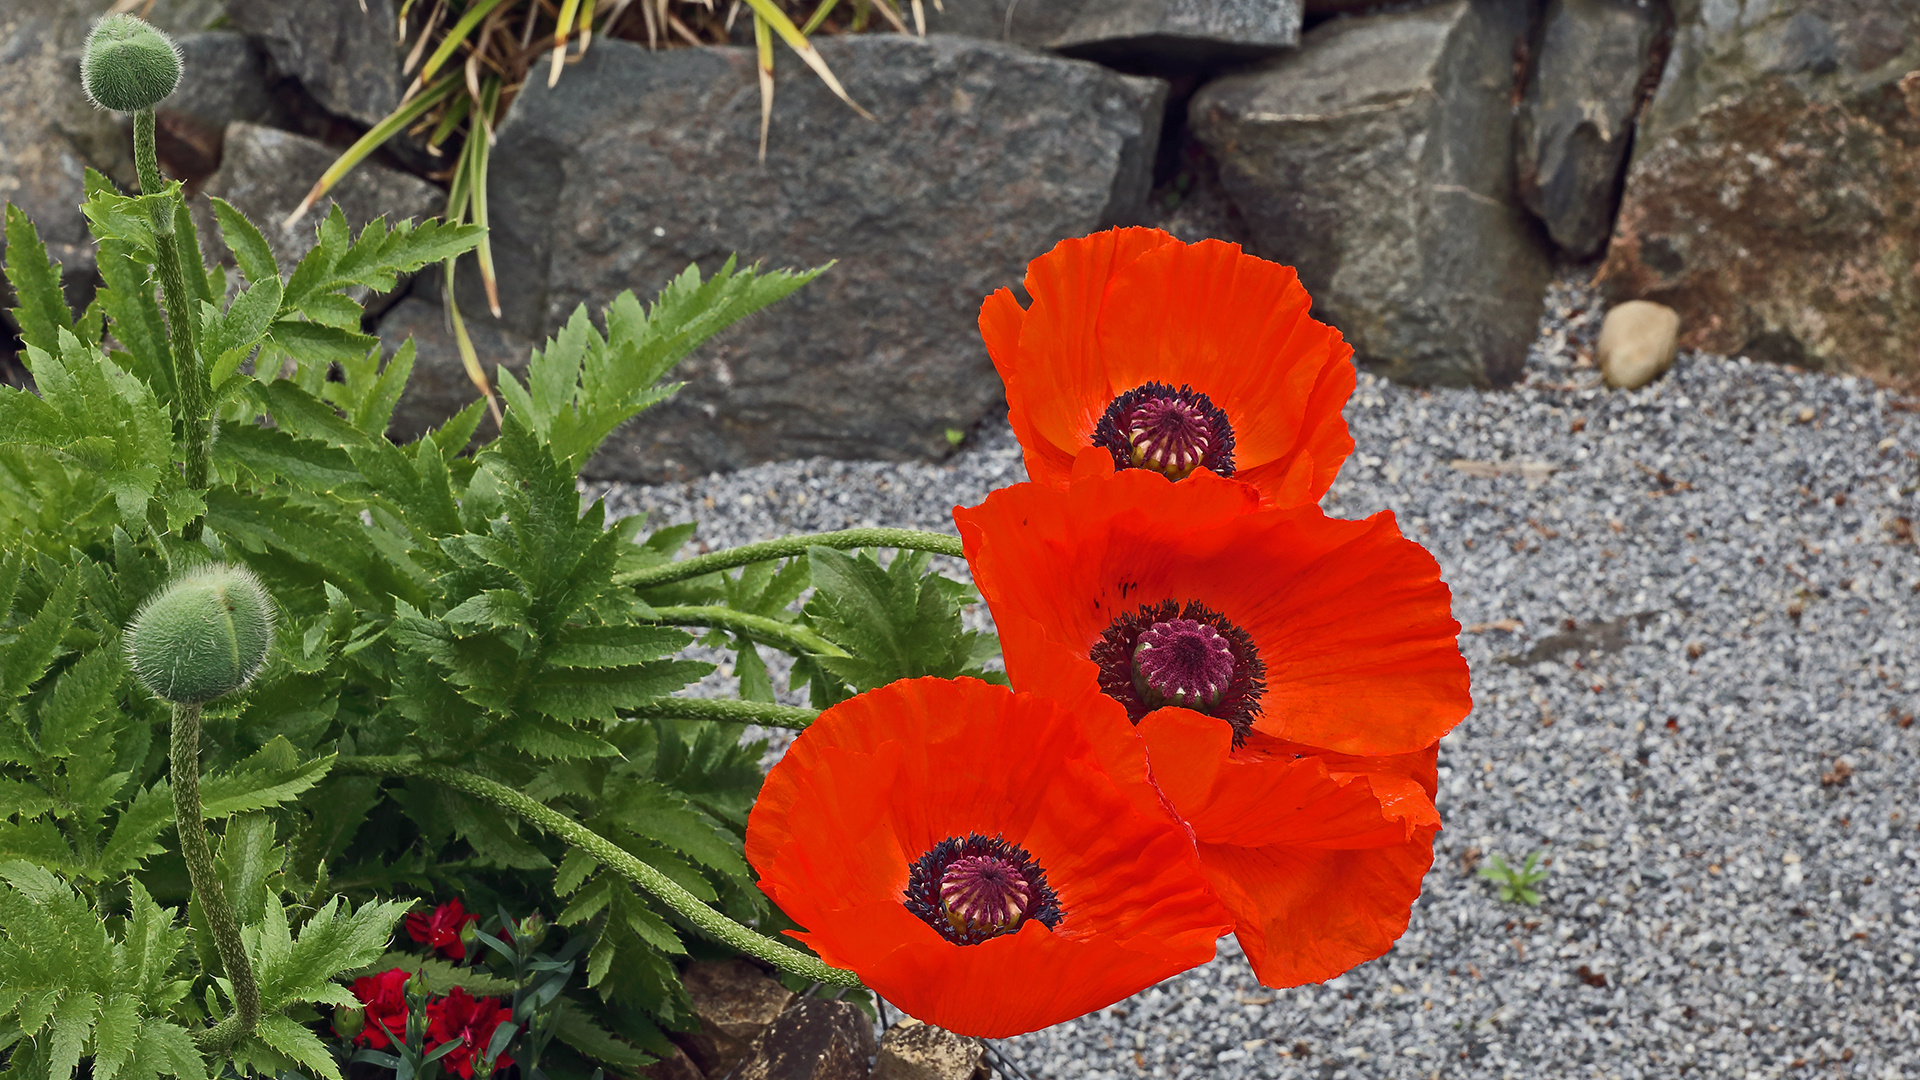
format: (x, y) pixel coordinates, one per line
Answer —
(1516, 885)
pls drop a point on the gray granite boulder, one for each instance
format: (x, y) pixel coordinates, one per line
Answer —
(1179, 30)
(1378, 159)
(345, 52)
(982, 157)
(1773, 199)
(1589, 75)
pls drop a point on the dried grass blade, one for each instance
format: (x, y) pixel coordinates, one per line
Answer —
(479, 149)
(469, 357)
(395, 123)
(819, 15)
(763, 43)
(919, 18)
(797, 41)
(568, 10)
(426, 32)
(456, 36)
(585, 25)
(890, 12)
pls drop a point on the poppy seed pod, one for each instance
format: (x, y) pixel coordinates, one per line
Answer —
(204, 635)
(128, 65)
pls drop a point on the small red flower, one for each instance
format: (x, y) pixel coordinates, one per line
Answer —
(460, 1017)
(1170, 356)
(440, 930)
(385, 1000)
(964, 851)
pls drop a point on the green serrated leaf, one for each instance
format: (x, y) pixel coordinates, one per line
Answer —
(42, 308)
(273, 775)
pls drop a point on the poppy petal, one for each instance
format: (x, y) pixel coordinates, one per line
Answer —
(878, 781)
(1319, 866)
(1120, 309)
(1349, 618)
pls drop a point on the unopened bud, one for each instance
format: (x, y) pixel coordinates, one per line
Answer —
(128, 65)
(533, 930)
(349, 1021)
(205, 634)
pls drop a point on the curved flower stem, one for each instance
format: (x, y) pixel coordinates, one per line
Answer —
(189, 382)
(185, 780)
(780, 635)
(708, 921)
(731, 710)
(789, 546)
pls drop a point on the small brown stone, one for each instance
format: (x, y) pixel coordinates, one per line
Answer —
(1637, 343)
(734, 1002)
(813, 1040)
(911, 1050)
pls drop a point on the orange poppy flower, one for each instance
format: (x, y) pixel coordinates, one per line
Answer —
(1319, 857)
(1333, 634)
(963, 849)
(1172, 357)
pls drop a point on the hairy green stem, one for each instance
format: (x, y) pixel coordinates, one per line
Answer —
(780, 635)
(207, 888)
(789, 546)
(189, 381)
(732, 710)
(705, 919)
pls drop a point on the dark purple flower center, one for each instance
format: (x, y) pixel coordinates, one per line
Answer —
(1189, 656)
(975, 889)
(1172, 432)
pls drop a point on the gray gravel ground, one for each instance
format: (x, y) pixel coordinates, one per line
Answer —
(1691, 617)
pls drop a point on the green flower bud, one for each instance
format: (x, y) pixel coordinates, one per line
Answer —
(128, 65)
(348, 1022)
(204, 635)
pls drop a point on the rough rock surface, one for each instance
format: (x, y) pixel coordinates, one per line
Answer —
(343, 51)
(265, 173)
(1167, 29)
(49, 133)
(983, 157)
(1378, 160)
(1575, 124)
(911, 1050)
(1182, 29)
(734, 1001)
(1774, 194)
(813, 1040)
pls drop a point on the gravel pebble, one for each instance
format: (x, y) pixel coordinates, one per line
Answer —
(1691, 617)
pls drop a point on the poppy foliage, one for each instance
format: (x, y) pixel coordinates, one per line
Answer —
(968, 853)
(1172, 356)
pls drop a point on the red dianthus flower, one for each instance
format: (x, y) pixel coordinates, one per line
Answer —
(384, 998)
(440, 929)
(462, 1018)
(1172, 356)
(964, 851)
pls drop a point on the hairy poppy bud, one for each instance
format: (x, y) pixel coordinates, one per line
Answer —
(204, 635)
(128, 65)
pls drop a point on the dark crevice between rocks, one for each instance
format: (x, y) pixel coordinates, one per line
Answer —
(1186, 198)
(12, 371)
